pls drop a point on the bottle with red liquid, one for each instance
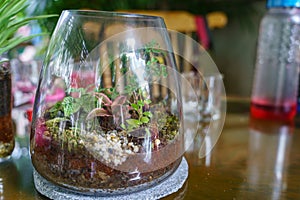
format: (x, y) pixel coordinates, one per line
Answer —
(275, 86)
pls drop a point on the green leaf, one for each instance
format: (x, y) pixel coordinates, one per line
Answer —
(156, 50)
(147, 101)
(76, 107)
(154, 60)
(57, 107)
(148, 114)
(133, 122)
(11, 20)
(145, 120)
(134, 106)
(164, 70)
(79, 90)
(88, 103)
(140, 103)
(68, 106)
(16, 41)
(123, 126)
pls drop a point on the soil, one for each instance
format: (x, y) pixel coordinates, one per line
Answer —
(79, 170)
(5, 92)
(6, 126)
(82, 171)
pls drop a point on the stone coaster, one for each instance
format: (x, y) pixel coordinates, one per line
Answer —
(168, 186)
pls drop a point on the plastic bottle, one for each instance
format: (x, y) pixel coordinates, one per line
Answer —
(274, 92)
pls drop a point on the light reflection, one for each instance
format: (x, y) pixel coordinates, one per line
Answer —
(208, 148)
(269, 148)
(296, 18)
(137, 173)
(1, 189)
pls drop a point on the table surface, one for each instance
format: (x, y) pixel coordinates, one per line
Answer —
(252, 159)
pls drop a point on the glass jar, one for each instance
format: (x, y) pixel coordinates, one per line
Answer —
(107, 115)
(7, 141)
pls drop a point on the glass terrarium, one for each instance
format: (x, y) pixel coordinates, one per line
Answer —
(107, 116)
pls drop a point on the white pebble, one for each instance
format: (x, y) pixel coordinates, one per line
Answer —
(157, 142)
(135, 149)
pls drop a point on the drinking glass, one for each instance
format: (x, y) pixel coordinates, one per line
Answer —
(107, 116)
(208, 91)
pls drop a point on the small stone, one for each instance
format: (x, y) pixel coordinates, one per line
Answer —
(135, 149)
(157, 142)
(113, 134)
(46, 133)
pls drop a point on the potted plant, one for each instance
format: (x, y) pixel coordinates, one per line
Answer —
(11, 20)
(111, 130)
(117, 127)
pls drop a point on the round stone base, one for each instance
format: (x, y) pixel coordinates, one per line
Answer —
(168, 186)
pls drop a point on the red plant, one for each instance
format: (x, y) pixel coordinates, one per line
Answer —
(115, 108)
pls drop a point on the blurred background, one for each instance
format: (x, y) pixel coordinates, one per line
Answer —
(232, 45)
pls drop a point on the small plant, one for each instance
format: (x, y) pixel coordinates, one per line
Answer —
(143, 116)
(71, 105)
(107, 107)
(154, 61)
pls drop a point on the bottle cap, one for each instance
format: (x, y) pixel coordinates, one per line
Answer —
(283, 3)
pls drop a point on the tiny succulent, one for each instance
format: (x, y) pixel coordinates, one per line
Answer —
(143, 116)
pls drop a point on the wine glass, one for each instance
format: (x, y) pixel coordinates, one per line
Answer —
(107, 116)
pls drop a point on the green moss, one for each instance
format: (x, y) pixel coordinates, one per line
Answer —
(61, 132)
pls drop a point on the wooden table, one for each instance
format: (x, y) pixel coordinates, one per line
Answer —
(252, 160)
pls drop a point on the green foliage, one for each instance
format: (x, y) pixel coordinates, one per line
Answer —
(143, 117)
(68, 137)
(154, 60)
(70, 105)
(55, 109)
(154, 67)
(11, 20)
(132, 85)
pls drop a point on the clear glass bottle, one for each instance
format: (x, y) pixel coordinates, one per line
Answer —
(274, 93)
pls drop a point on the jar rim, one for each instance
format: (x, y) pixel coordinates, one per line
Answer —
(109, 14)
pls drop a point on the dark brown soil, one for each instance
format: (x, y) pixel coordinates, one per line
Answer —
(6, 126)
(80, 169)
(5, 92)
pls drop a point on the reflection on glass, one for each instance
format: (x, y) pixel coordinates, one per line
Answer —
(204, 141)
(269, 148)
(203, 96)
(1, 189)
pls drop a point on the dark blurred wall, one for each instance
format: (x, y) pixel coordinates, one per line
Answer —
(234, 51)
